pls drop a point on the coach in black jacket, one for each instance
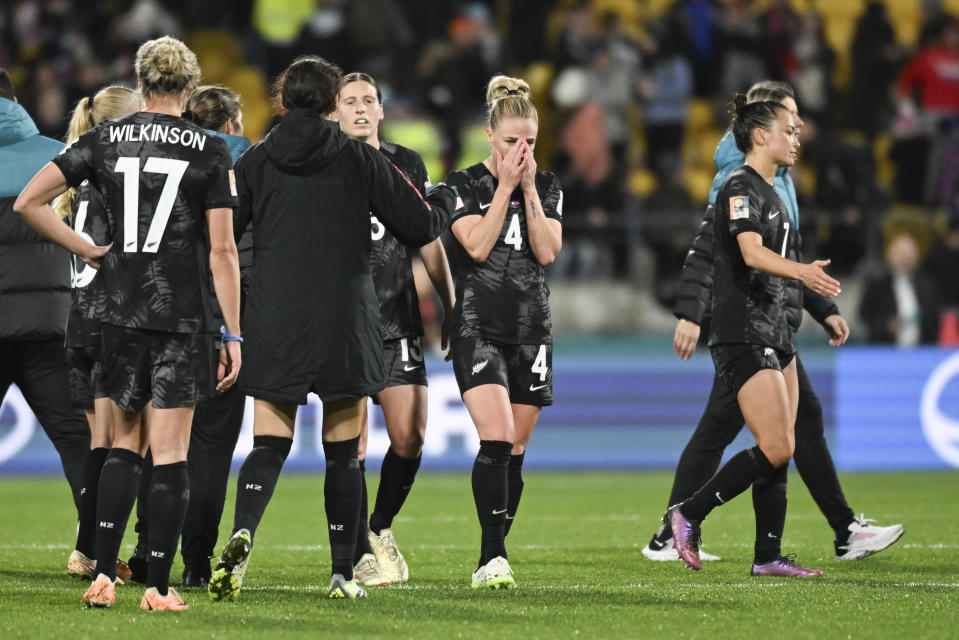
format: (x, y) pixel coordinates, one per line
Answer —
(35, 295)
(312, 318)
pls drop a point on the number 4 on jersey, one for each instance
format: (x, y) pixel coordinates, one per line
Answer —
(513, 236)
(130, 168)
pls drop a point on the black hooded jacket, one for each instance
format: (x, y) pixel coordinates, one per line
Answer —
(312, 318)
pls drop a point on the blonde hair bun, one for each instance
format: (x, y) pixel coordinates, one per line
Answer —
(166, 66)
(505, 86)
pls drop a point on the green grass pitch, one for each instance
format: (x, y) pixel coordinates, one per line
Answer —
(575, 550)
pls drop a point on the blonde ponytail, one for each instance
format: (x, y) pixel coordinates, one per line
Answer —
(506, 98)
(108, 104)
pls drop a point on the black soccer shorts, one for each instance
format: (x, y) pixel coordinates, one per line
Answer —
(737, 363)
(171, 370)
(403, 359)
(84, 375)
(526, 370)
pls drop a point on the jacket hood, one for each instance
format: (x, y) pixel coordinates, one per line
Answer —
(15, 123)
(304, 142)
(236, 144)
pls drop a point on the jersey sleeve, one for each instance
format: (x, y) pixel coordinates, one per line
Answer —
(466, 204)
(222, 191)
(552, 199)
(739, 206)
(396, 202)
(76, 160)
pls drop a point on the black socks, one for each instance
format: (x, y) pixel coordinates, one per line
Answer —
(362, 540)
(257, 480)
(86, 532)
(490, 492)
(733, 478)
(116, 492)
(515, 484)
(396, 481)
(167, 505)
(769, 503)
(342, 492)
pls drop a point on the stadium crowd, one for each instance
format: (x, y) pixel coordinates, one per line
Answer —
(880, 151)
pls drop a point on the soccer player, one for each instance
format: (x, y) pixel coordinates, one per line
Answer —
(85, 209)
(312, 313)
(750, 338)
(168, 189)
(506, 228)
(377, 560)
(722, 419)
(217, 421)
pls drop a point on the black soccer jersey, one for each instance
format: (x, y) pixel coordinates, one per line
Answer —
(88, 218)
(748, 305)
(390, 259)
(504, 299)
(158, 175)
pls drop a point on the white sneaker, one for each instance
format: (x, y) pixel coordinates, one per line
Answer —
(495, 574)
(866, 539)
(389, 557)
(80, 566)
(369, 573)
(665, 551)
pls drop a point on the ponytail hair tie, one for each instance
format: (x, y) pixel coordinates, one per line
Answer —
(90, 101)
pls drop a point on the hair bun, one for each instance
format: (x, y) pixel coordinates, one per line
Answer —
(504, 87)
(739, 101)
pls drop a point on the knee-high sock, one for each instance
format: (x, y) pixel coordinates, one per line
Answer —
(86, 532)
(116, 493)
(515, 485)
(733, 478)
(142, 526)
(396, 481)
(491, 492)
(342, 492)
(169, 499)
(769, 504)
(362, 539)
(257, 480)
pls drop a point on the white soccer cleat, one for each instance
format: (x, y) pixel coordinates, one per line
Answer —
(495, 574)
(388, 556)
(666, 552)
(369, 573)
(866, 538)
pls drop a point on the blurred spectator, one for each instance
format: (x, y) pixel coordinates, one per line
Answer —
(780, 26)
(276, 26)
(665, 88)
(942, 262)
(846, 195)
(899, 303)
(669, 221)
(579, 33)
(741, 42)
(696, 23)
(929, 107)
(814, 61)
(869, 106)
(454, 73)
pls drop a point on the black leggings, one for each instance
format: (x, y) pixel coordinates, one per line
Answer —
(39, 369)
(721, 423)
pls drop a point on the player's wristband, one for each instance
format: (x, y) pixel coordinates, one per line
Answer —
(228, 337)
